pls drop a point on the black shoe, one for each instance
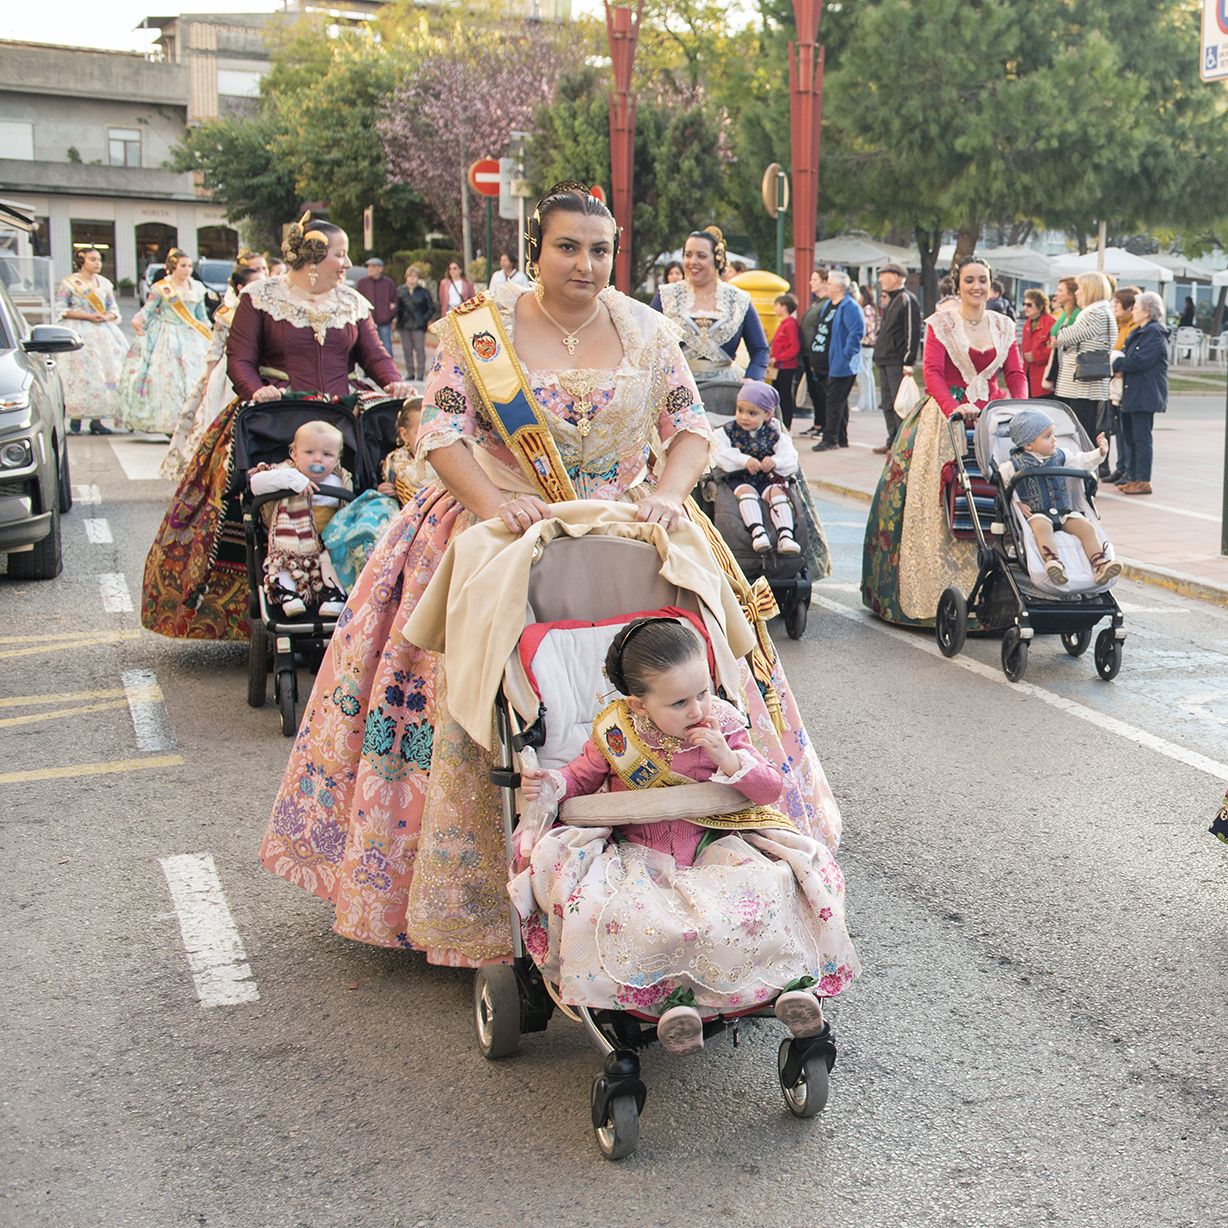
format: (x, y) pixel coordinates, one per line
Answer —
(824, 447)
(96, 428)
(74, 426)
(1116, 477)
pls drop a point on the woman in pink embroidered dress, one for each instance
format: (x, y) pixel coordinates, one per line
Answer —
(386, 809)
(910, 555)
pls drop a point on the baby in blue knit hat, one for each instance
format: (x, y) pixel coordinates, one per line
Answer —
(1045, 499)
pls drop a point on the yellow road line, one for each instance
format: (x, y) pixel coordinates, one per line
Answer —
(113, 637)
(59, 697)
(91, 769)
(32, 718)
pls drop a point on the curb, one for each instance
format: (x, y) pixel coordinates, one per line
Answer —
(1178, 582)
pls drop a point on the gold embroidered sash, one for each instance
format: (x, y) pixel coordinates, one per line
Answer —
(91, 296)
(181, 309)
(508, 398)
(635, 763)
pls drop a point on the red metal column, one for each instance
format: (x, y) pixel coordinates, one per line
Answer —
(806, 119)
(623, 29)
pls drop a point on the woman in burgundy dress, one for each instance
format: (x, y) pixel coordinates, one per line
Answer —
(910, 555)
(306, 331)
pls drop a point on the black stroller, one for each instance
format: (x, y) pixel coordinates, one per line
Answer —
(263, 433)
(1013, 594)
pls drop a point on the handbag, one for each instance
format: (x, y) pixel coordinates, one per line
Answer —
(1091, 366)
(907, 398)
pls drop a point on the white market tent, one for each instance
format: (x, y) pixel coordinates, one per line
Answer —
(1220, 278)
(1122, 264)
(1186, 270)
(1022, 263)
(676, 257)
(857, 251)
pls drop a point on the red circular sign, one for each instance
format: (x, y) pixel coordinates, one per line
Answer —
(484, 177)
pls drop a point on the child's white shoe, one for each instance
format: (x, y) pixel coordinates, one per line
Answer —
(786, 543)
(293, 607)
(800, 1011)
(1054, 567)
(681, 1031)
(760, 543)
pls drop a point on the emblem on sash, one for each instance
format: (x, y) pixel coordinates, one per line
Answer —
(485, 346)
(616, 740)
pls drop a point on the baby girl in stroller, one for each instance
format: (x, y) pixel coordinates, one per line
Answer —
(681, 920)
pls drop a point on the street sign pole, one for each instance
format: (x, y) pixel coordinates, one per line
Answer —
(782, 206)
(490, 265)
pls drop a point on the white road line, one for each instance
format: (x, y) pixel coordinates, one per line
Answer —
(1110, 724)
(139, 458)
(98, 532)
(1160, 507)
(215, 951)
(115, 596)
(86, 494)
(149, 720)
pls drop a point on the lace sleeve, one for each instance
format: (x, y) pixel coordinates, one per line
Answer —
(681, 408)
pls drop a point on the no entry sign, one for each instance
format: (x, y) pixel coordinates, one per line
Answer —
(484, 176)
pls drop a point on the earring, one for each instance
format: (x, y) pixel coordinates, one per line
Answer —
(313, 276)
(539, 291)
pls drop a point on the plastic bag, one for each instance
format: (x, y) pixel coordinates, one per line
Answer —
(908, 397)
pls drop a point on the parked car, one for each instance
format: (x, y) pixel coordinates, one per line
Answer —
(215, 274)
(35, 488)
(145, 282)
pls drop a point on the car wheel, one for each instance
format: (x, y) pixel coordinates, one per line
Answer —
(46, 560)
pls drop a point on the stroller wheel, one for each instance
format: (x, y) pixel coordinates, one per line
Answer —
(619, 1135)
(951, 622)
(1108, 654)
(286, 690)
(808, 1095)
(1014, 655)
(1076, 642)
(795, 620)
(496, 1010)
(258, 665)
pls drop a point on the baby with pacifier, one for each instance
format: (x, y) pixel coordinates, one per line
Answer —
(298, 571)
(681, 919)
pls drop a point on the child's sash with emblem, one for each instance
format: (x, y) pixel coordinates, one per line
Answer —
(91, 296)
(639, 767)
(508, 398)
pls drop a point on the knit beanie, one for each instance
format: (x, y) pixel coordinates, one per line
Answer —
(762, 396)
(1027, 424)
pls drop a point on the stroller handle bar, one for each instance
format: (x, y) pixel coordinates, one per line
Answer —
(1088, 479)
(698, 801)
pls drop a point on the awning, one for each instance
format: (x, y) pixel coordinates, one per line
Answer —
(1118, 261)
(858, 251)
(1185, 269)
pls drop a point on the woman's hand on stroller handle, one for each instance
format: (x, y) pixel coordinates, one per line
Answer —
(270, 392)
(662, 509)
(522, 512)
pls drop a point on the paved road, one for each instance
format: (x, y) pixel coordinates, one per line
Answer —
(1038, 1037)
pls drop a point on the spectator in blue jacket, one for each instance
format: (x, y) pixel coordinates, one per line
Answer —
(848, 326)
(1143, 366)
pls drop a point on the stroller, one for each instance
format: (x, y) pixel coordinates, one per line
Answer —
(550, 692)
(263, 433)
(1013, 593)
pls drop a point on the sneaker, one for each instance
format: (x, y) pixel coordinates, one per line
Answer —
(332, 602)
(96, 428)
(1106, 569)
(1116, 478)
(1054, 569)
(800, 1011)
(760, 543)
(786, 543)
(881, 451)
(824, 447)
(681, 1031)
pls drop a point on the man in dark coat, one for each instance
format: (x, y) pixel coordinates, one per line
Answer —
(899, 336)
(814, 367)
(381, 293)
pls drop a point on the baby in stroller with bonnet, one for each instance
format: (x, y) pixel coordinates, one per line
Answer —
(681, 920)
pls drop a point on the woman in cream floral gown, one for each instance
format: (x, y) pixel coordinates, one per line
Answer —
(386, 809)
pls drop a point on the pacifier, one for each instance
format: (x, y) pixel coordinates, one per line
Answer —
(316, 468)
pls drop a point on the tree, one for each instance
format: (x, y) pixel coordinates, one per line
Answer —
(242, 171)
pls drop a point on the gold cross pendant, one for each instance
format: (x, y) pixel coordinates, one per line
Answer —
(572, 343)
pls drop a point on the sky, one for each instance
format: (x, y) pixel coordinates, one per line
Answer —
(110, 23)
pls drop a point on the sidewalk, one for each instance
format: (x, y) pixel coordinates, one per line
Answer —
(1171, 538)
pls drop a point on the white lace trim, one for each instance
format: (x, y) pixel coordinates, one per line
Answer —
(732, 304)
(274, 296)
(948, 326)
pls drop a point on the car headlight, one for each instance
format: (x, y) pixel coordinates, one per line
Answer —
(14, 400)
(15, 455)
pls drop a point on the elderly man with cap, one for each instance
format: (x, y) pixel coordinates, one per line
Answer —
(895, 350)
(1044, 498)
(381, 293)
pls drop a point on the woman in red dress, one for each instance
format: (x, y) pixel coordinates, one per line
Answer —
(306, 331)
(910, 555)
(1037, 343)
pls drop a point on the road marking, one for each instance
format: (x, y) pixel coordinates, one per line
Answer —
(91, 769)
(1160, 507)
(86, 494)
(33, 718)
(140, 459)
(44, 644)
(1110, 724)
(149, 720)
(98, 532)
(214, 948)
(115, 596)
